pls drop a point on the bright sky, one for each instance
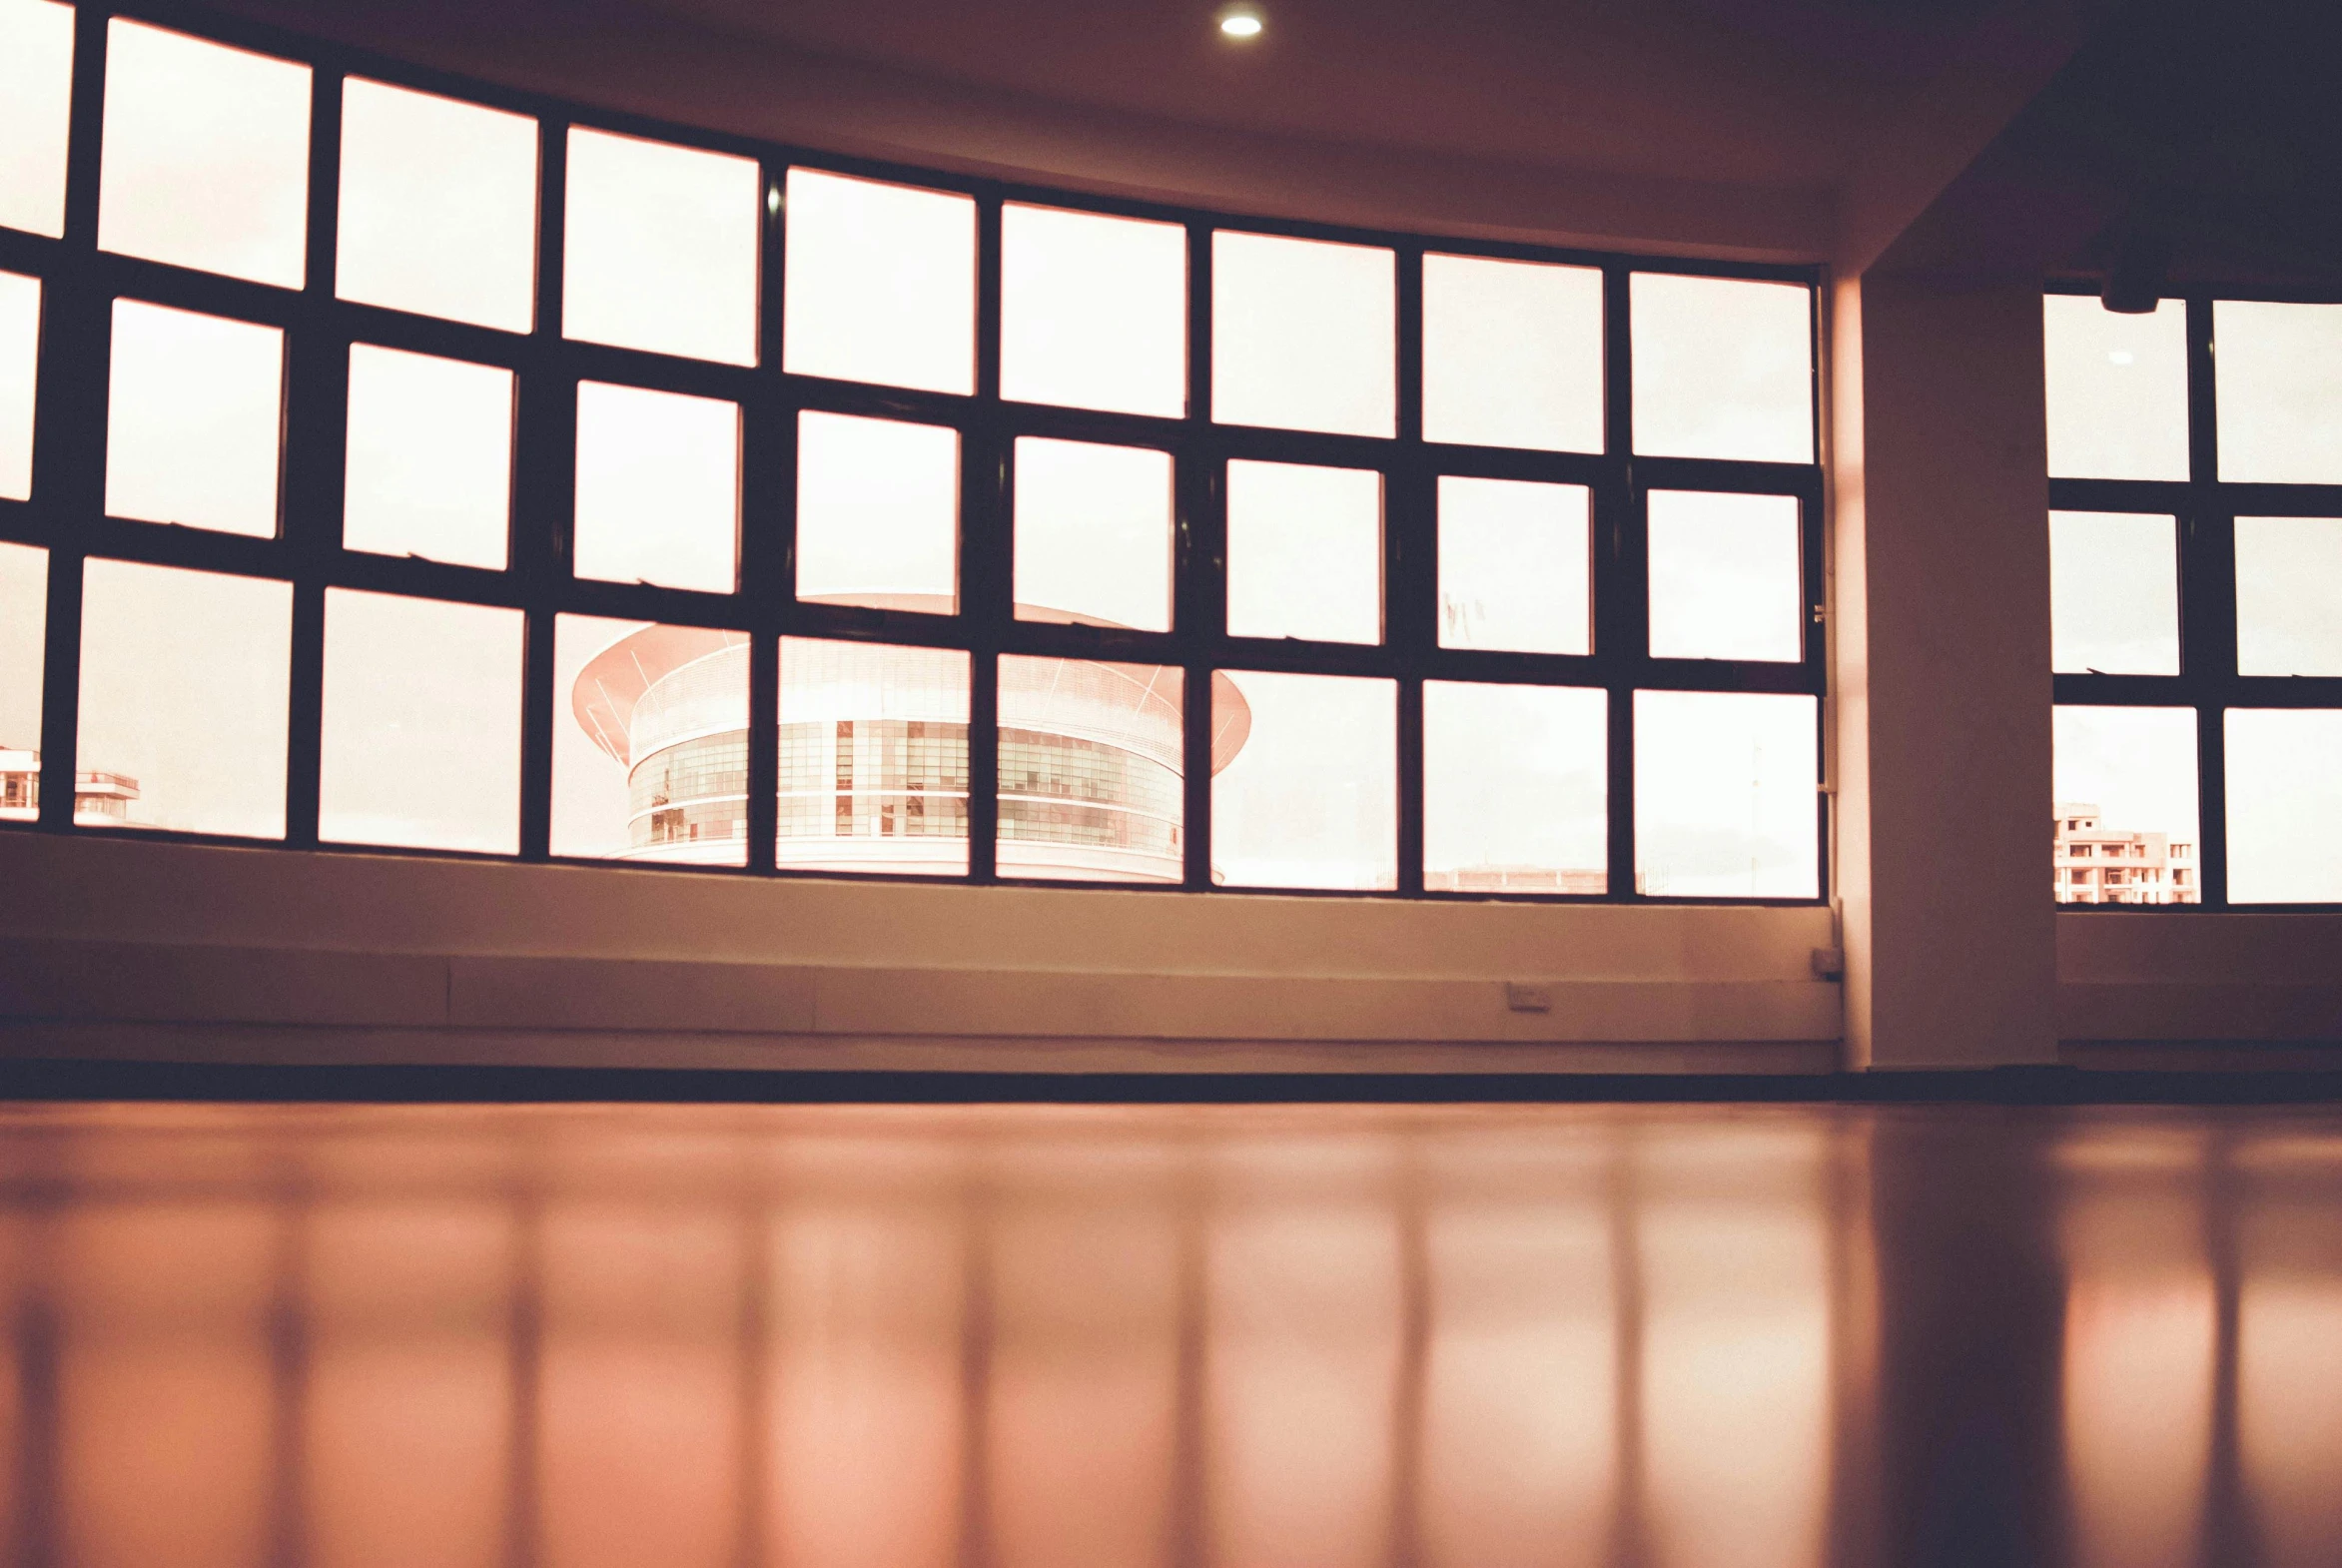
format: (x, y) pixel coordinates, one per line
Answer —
(1723, 367)
(2136, 765)
(36, 89)
(2113, 593)
(1515, 565)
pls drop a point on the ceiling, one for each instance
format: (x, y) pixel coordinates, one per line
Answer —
(1702, 126)
(1780, 93)
(1965, 134)
(2213, 129)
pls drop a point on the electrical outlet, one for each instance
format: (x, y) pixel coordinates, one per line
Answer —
(1528, 999)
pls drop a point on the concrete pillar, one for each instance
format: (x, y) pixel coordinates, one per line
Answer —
(1942, 672)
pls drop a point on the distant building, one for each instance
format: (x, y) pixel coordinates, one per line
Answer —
(1517, 879)
(103, 796)
(2100, 865)
(874, 756)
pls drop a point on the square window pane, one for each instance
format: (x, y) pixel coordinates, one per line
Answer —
(2284, 785)
(24, 621)
(36, 104)
(650, 742)
(1515, 565)
(439, 206)
(2117, 389)
(421, 743)
(185, 685)
(2113, 593)
(20, 363)
(881, 284)
(429, 469)
(1304, 788)
(874, 758)
(206, 156)
(1512, 354)
(2278, 373)
(1515, 789)
(660, 248)
(1726, 580)
(658, 488)
(2124, 792)
(1094, 311)
(1304, 552)
(1303, 334)
(1093, 534)
(1723, 368)
(878, 513)
(2289, 595)
(195, 409)
(1091, 775)
(1726, 802)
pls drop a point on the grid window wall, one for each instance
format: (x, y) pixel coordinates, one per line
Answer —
(2195, 534)
(621, 491)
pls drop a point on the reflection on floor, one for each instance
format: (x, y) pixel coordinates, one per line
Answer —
(1294, 1337)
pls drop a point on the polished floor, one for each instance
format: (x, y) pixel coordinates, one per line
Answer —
(1106, 1338)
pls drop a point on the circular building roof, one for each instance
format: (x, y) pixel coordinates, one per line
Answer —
(1138, 707)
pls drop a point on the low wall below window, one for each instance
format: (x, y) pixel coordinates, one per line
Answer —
(117, 947)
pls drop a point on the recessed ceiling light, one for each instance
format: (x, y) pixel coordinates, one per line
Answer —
(1240, 21)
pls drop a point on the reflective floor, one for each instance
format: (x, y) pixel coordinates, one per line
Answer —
(1250, 1337)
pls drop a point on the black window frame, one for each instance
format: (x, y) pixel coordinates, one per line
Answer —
(66, 515)
(2206, 508)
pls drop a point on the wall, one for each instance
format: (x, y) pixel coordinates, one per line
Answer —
(1941, 648)
(113, 947)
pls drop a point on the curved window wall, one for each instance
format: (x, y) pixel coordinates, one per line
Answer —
(399, 463)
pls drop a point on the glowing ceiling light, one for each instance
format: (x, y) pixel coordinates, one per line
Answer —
(1240, 21)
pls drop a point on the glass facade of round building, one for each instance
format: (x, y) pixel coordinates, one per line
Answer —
(873, 756)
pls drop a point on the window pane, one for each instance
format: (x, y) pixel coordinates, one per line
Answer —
(1304, 792)
(1304, 552)
(439, 206)
(1726, 581)
(206, 156)
(194, 411)
(1094, 311)
(1515, 789)
(2279, 379)
(185, 689)
(1723, 367)
(23, 621)
(422, 741)
(36, 98)
(429, 459)
(2284, 785)
(1515, 565)
(881, 284)
(1091, 770)
(1094, 533)
(874, 758)
(658, 487)
(1303, 334)
(20, 360)
(1512, 354)
(1725, 795)
(878, 513)
(650, 742)
(2124, 787)
(662, 247)
(2289, 595)
(2113, 593)
(2117, 389)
